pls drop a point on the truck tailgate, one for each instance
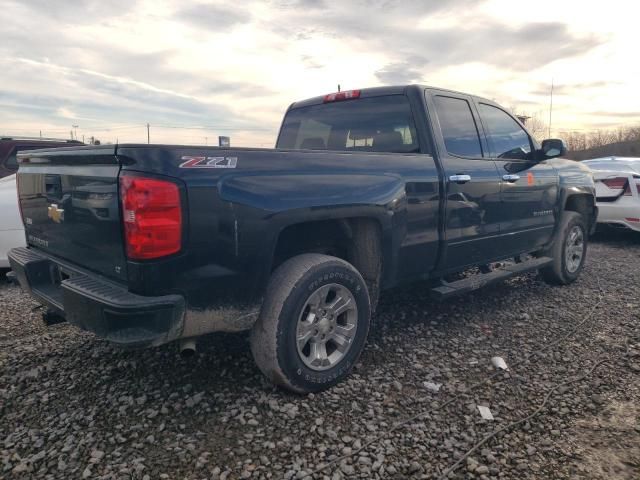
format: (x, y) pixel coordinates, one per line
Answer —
(70, 206)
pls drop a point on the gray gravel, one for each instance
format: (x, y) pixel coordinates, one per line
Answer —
(72, 406)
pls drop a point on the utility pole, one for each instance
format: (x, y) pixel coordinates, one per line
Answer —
(40, 134)
(75, 131)
(550, 107)
(338, 87)
(206, 140)
(82, 138)
(148, 134)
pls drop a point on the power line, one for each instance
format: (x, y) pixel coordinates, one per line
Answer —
(550, 106)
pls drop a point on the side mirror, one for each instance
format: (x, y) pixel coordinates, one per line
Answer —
(553, 147)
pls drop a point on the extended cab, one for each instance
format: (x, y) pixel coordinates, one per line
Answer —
(367, 189)
(11, 146)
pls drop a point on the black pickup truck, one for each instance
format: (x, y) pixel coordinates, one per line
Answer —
(366, 189)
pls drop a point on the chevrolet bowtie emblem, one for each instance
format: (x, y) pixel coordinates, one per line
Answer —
(56, 214)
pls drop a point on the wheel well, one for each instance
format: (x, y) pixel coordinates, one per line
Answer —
(356, 240)
(582, 204)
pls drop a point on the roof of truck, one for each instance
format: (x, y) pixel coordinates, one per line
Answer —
(381, 91)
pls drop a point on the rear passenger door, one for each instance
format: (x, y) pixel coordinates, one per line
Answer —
(529, 188)
(472, 193)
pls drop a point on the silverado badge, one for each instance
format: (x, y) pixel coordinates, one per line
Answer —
(56, 214)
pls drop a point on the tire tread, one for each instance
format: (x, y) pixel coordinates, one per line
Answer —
(264, 335)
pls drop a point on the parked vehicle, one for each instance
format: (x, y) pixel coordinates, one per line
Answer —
(10, 146)
(366, 189)
(617, 190)
(11, 229)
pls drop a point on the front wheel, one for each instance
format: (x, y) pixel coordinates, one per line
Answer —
(569, 250)
(313, 324)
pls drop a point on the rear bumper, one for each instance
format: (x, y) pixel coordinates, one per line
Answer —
(96, 304)
(625, 214)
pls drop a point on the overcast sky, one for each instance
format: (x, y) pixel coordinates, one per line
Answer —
(232, 67)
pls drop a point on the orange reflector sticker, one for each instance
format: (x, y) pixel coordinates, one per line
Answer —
(529, 178)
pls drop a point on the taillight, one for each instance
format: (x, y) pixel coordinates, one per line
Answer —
(339, 96)
(152, 217)
(618, 183)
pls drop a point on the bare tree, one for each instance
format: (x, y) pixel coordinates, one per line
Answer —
(534, 123)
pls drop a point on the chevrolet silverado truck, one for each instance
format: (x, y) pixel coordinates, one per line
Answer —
(365, 190)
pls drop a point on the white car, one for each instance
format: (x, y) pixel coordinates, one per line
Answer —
(11, 228)
(617, 190)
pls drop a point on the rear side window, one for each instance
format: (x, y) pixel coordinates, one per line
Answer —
(458, 127)
(507, 139)
(375, 124)
(11, 162)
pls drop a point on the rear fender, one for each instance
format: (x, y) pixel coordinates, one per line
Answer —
(289, 199)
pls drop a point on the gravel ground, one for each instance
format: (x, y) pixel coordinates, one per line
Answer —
(72, 406)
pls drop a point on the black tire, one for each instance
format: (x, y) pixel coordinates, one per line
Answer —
(558, 273)
(274, 336)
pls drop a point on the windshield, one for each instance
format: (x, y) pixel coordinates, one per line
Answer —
(376, 124)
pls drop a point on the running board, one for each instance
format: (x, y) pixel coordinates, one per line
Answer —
(446, 290)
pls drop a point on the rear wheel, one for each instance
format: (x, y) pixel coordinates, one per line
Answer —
(313, 324)
(569, 250)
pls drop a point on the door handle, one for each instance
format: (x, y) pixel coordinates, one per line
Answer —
(460, 178)
(511, 178)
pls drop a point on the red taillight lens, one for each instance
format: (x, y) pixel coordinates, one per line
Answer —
(152, 217)
(618, 183)
(339, 96)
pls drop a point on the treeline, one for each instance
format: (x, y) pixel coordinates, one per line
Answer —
(579, 141)
(621, 142)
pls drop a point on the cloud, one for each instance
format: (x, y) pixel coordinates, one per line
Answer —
(309, 62)
(399, 73)
(213, 16)
(616, 114)
(572, 88)
(294, 4)
(76, 11)
(516, 48)
(100, 98)
(222, 62)
(66, 113)
(409, 71)
(447, 32)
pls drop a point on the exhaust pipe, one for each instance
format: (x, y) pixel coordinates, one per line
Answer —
(188, 347)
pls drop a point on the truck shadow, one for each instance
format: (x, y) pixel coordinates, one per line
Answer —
(616, 237)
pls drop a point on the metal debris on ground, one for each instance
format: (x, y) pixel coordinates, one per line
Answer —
(485, 412)
(432, 387)
(499, 362)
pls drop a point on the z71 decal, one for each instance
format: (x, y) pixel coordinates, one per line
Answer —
(208, 162)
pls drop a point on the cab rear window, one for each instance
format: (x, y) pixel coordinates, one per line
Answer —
(375, 124)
